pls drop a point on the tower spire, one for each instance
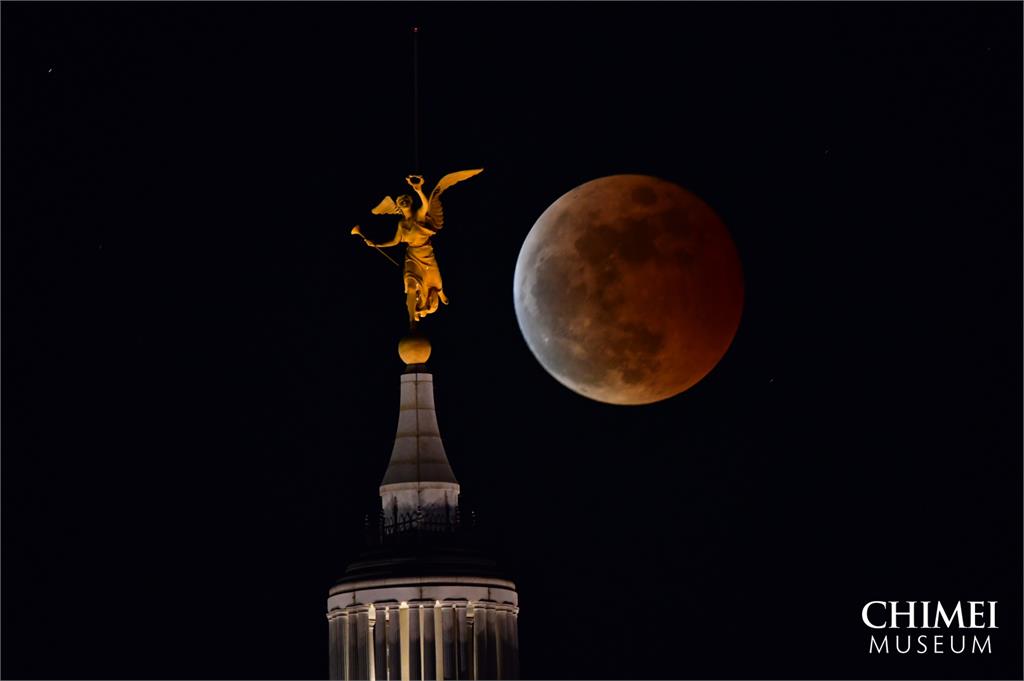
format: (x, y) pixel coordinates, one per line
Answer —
(419, 477)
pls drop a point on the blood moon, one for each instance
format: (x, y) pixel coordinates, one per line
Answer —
(628, 289)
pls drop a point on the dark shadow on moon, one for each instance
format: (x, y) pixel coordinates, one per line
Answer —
(563, 297)
(645, 196)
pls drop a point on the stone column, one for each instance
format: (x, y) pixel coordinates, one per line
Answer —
(463, 643)
(380, 645)
(483, 644)
(489, 665)
(403, 622)
(438, 641)
(515, 642)
(334, 625)
(363, 643)
(371, 644)
(451, 642)
(494, 633)
(394, 643)
(352, 645)
(344, 653)
(415, 651)
(504, 645)
(471, 643)
(427, 641)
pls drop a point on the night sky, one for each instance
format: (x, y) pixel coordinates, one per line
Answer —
(200, 376)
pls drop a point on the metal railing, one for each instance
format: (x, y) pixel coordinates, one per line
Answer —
(419, 526)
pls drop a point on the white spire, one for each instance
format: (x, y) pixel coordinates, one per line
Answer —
(419, 476)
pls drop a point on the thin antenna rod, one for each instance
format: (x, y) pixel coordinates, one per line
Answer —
(415, 99)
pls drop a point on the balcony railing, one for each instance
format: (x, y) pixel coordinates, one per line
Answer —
(419, 526)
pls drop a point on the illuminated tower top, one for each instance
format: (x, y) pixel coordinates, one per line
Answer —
(419, 478)
(423, 600)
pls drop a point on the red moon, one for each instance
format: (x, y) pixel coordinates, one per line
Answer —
(628, 289)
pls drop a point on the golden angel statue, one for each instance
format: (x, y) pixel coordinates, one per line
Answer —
(423, 289)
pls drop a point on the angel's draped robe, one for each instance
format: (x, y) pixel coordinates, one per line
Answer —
(421, 265)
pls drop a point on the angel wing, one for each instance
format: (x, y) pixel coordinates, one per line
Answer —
(387, 207)
(435, 214)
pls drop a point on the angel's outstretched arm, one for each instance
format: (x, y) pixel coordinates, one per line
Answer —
(424, 204)
(393, 241)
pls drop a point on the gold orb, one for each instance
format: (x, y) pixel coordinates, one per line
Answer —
(414, 349)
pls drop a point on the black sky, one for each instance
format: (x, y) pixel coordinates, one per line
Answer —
(200, 380)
